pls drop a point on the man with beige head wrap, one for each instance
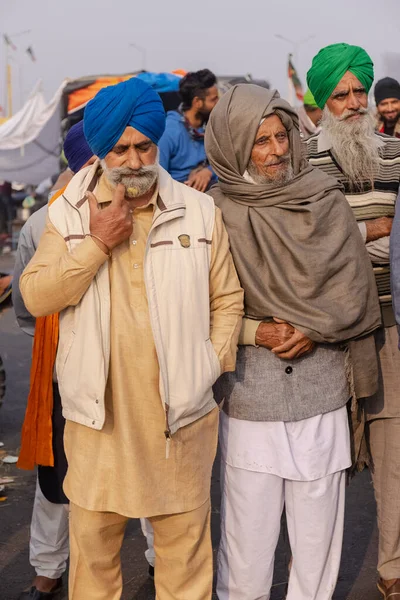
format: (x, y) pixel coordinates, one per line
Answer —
(308, 290)
(368, 165)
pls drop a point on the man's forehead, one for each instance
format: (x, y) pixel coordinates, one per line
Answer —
(270, 125)
(348, 81)
(132, 136)
(389, 100)
(212, 91)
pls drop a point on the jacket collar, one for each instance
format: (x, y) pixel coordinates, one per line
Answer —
(170, 198)
(83, 181)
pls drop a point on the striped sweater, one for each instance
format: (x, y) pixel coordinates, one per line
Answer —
(367, 203)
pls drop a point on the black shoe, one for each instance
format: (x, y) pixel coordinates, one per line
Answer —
(35, 594)
(151, 572)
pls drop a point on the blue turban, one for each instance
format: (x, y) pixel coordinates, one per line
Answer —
(114, 108)
(76, 148)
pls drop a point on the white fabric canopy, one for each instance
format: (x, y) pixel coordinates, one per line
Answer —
(30, 142)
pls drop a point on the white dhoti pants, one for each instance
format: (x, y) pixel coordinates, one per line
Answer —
(251, 508)
(49, 542)
(148, 532)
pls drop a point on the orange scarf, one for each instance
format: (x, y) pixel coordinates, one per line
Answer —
(37, 430)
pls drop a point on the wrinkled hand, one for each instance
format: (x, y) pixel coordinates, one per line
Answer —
(273, 334)
(199, 180)
(298, 345)
(112, 224)
(378, 228)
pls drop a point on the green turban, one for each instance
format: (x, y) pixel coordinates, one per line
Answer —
(309, 99)
(330, 65)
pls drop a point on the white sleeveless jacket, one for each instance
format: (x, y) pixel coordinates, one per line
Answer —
(176, 272)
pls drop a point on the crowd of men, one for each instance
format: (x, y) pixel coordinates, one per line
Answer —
(260, 313)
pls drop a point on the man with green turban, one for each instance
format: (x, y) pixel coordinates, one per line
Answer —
(332, 63)
(368, 165)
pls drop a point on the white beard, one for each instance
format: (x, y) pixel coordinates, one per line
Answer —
(137, 183)
(354, 144)
(278, 180)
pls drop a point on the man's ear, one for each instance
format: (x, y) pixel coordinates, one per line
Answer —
(197, 102)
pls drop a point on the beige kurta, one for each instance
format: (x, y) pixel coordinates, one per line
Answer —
(123, 468)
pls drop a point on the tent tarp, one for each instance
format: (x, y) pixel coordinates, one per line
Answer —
(78, 92)
(30, 140)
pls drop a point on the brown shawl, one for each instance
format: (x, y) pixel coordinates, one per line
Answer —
(297, 248)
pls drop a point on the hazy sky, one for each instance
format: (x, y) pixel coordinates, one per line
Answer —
(80, 37)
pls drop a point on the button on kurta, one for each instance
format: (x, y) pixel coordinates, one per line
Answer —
(136, 266)
(289, 370)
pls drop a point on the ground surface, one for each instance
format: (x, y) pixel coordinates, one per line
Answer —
(357, 575)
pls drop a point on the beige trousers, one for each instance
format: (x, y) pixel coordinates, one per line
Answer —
(182, 544)
(384, 438)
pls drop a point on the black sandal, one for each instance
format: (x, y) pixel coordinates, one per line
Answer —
(35, 594)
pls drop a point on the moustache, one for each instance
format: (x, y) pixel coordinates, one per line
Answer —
(279, 161)
(127, 172)
(350, 113)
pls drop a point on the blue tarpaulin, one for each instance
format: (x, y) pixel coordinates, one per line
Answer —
(161, 82)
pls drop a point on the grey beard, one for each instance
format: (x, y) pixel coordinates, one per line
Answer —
(354, 144)
(137, 183)
(279, 179)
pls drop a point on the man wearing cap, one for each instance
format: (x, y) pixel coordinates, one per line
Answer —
(309, 116)
(49, 544)
(138, 265)
(308, 289)
(387, 99)
(368, 165)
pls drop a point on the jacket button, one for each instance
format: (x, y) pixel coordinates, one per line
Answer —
(289, 370)
(93, 422)
(97, 401)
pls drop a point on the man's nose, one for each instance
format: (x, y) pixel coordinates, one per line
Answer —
(353, 102)
(277, 148)
(133, 159)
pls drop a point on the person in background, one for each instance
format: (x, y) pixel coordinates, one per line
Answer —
(367, 164)
(309, 116)
(6, 207)
(5, 293)
(387, 99)
(49, 540)
(181, 147)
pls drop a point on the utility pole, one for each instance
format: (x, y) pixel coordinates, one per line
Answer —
(143, 54)
(294, 54)
(9, 45)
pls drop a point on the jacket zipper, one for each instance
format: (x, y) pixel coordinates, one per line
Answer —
(167, 431)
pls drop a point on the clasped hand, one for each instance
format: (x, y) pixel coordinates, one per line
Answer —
(284, 340)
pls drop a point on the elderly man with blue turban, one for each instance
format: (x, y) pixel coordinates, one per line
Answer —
(368, 165)
(139, 268)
